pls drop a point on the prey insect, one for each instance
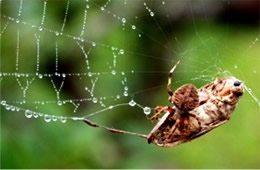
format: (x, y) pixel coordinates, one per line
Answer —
(194, 111)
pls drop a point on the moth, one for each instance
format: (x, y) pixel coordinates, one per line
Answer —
(194, 111)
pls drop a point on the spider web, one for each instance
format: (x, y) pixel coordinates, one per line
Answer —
(108, 60)
(79, 68)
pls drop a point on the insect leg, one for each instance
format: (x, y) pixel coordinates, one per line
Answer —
(159, 110)
(170, 92)
(114, 130)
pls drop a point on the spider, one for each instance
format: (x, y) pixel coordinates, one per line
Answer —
(194, 111)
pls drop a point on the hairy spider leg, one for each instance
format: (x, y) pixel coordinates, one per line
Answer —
(90, 123)
(170, 92)
(159, 110)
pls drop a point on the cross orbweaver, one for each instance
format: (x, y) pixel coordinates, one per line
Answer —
(194, 112)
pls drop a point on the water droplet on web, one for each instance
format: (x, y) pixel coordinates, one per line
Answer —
(7, 107)
(40, 29)
(113, 72)
(89, 74)
(111, 107)
(163, 2)
(57, 33)
(28, 113)
(235, 66)
(63, 119)
(122, 51)
(12, 108)
(132, 103)
(126, 88)
(54, 118)
(63, 75)
(125, 93)
(133, 27)
(94, 100)
(35, 114)
(118, 96)
(151, 14)
(93, 44)
(123, 20)
(59, 103)
(3, 102)
(40, 76)
(102, 8)
(147, 110)
(86, 88)
(47, 118)
(17, 21)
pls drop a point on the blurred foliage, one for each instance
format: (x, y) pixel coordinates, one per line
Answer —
(208, 36)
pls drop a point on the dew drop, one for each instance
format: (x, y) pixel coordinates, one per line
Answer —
(89, 74)
(151, 14)
(94, 100)
(132, 103)
(54, 118)
(40, 76)
(57, 33)
(28, 113)
(125, 93)
(93, 44)
(17, 21)
(235, 66)
(121, 51)
(111, 107)
(3, 102)
(12, 108)
(123, 20)
(63, 75)
(63, 119)
(113, 72)
(102, 8)
(147, 110)
(59, 103)
(7, 107)
(35, 114)
(40, 29)
(118, 96)
(133, 27)
(47, 118)
(163, 2)
(126, 88)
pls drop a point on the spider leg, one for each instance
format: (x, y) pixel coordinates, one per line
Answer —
(90, 123)
(172, 130)
(159, 110)
(170, 92)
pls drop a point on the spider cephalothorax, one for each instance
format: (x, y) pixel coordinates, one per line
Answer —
(194, 111)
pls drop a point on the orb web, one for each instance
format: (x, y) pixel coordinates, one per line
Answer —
(67, 64)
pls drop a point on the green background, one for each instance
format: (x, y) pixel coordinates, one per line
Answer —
(206, 42)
